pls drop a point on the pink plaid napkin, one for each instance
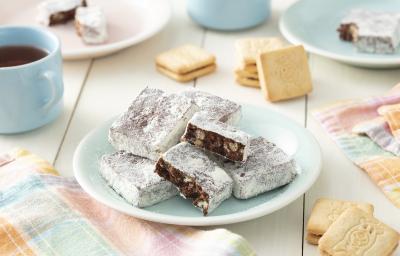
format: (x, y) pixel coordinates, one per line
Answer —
(358, 130)
(42, 213)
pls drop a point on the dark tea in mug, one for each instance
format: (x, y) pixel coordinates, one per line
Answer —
(31, 78)
(15, 55)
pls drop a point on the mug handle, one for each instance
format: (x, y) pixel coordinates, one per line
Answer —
(55, 90)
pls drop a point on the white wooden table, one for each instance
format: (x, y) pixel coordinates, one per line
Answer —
(98, 89)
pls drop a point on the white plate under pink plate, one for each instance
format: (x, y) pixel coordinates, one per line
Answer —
(129, 22)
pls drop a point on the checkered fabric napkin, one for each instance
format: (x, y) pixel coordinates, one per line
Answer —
(42, 213)
(367, 138)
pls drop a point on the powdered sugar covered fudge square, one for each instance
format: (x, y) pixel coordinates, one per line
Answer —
(91, 24)
(217, 137)
(196, 176)
(133, 177)
(267, 167)
(153, 123)
(53, 12)
(371, 31)
(216, 107)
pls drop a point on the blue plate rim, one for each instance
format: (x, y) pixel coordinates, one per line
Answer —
(360, 61)
(255, 212)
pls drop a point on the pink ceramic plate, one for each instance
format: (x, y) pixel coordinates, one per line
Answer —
(129, 22)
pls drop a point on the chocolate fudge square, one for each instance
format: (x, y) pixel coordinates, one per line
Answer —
(217, 137)
(134, 179)
(53, 12)
(153, 123)
(371, 31)
(267, 167)
(197, 177)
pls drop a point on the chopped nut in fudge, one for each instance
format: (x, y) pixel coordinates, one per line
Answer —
(217, 137)
(196, 176)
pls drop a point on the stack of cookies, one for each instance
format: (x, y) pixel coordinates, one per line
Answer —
(349, 228)
(185, 63)
(247, 50)
(280, 71)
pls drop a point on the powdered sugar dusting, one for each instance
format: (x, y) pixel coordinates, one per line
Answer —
(134, 178)
(153, 123)
(194, 163)
(267, 167)
(376, 31)
(91, 24)
(216, 107)
(50, 7)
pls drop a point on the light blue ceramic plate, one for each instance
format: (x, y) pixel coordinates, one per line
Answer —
(313, 23)
(288, 135)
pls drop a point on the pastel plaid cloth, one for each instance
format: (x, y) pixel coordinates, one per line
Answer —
(42, 213)
(373, 153)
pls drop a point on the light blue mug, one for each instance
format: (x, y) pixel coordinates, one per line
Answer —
(228, 14)
(31, 95)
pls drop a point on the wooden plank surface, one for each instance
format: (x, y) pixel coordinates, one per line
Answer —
(115, 80)
(100, 89)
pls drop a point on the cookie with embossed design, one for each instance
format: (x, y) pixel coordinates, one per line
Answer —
(247, 50)
(356, 232)
(284, 73)
(325, 212)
